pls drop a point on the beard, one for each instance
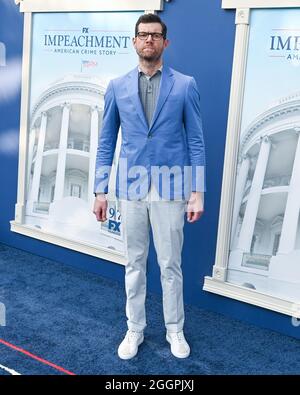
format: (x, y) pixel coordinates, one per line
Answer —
(151, 57)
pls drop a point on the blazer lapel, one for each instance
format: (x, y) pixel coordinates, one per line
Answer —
(166, 84)
(133, 92)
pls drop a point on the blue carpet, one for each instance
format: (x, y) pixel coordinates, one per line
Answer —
(76, 320)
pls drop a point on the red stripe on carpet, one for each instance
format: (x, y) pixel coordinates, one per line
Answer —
(44, 361)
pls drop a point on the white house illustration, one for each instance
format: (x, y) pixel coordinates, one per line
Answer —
(62, 145)
(265, 236)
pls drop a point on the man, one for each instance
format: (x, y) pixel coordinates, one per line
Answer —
(163, 151)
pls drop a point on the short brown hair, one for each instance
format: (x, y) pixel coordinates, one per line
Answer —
(151, 18)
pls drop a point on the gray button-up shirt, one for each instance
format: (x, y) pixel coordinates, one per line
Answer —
(148, 91)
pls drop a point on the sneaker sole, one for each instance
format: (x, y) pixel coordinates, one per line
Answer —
(174, 353)
(133, 355)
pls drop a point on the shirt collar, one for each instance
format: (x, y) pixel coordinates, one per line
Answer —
(147, 76)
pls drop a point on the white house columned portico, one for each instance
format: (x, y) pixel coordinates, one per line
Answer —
(62, 144)
(265, 234)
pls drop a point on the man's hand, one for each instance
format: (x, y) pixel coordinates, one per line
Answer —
(195, 207)
(100, 207)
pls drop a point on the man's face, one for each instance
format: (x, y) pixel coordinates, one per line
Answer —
(150, 49)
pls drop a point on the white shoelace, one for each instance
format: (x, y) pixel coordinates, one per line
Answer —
(133, 336)
(180, 337)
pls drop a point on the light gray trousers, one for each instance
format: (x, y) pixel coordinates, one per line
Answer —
(166, 219)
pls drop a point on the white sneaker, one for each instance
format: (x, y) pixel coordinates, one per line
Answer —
(130, 344)
(179, 346)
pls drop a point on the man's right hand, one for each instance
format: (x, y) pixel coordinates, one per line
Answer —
(100, 207)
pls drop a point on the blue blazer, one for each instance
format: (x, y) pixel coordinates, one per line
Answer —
(174, 138)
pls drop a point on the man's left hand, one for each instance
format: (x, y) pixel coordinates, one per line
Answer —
(195, 206)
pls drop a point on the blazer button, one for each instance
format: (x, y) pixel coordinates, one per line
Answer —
(149, 135)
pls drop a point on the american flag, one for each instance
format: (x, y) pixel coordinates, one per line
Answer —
(88, 64)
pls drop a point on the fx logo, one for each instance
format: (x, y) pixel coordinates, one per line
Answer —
(114, 226)
(85, 30)
(2, 54)
(2, 314)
